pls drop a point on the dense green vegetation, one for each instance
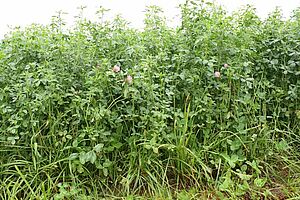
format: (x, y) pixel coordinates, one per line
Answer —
(209, 109)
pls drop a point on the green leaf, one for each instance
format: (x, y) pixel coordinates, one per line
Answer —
(227, 183)
(282, 145)
(244, 176)
(235, 145)
(75, 143)
(98, 148)
(12, 140)
(73, 156)
(260, 182)
(274, 62)
(91, 156)
(69, 137)
(105, 172)
(107, 163)
(231, 160)
(82, 157)
(117, 145)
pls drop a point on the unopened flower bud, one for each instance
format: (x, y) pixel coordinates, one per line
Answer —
(217, 74)
(129, 79)
(116, 68)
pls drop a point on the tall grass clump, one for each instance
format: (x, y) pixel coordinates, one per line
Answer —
(209, 109)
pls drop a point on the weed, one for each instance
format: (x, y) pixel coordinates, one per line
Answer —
(209, 109)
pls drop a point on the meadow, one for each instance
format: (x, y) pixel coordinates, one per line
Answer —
(207, 110)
